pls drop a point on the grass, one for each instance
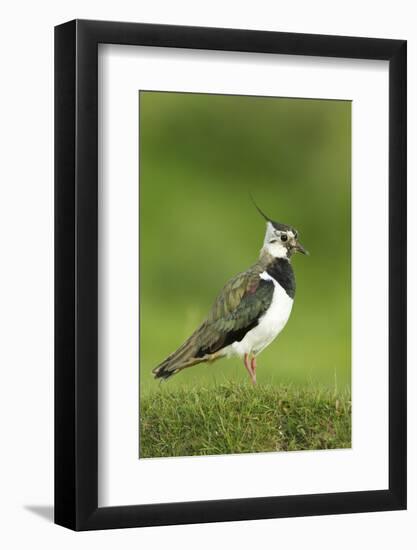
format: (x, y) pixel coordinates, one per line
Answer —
(237, 418)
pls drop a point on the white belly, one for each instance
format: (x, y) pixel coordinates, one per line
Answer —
(269, 326)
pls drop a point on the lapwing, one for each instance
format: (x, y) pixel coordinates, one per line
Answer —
(250, 311)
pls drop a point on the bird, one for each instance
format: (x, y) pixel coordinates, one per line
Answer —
(250, 311)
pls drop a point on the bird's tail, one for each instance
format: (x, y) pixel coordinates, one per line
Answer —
(183, 357)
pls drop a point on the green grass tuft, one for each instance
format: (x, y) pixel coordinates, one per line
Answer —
(237, 418)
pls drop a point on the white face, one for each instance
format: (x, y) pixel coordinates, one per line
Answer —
(279, 244)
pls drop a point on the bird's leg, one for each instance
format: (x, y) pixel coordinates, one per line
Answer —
(249, 368)
(253, 366)
(246, 363)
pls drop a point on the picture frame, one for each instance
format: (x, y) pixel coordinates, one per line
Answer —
(76, 274)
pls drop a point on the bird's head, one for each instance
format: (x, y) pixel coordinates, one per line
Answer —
(281, 240)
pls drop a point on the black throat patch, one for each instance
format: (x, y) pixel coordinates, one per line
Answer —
(281, 270)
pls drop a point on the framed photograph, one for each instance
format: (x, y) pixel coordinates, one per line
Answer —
(230, 255)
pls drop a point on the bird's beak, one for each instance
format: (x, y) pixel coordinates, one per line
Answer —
(300, 248)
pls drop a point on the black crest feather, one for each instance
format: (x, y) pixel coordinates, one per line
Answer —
(277, 225)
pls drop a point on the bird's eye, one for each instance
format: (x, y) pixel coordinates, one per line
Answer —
(284, 238)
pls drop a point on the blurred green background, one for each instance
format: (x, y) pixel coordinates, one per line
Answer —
(200, 157)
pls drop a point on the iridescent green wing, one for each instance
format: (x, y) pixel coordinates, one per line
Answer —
(237, 309)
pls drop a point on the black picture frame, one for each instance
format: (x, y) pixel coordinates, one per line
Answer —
(76, 272)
